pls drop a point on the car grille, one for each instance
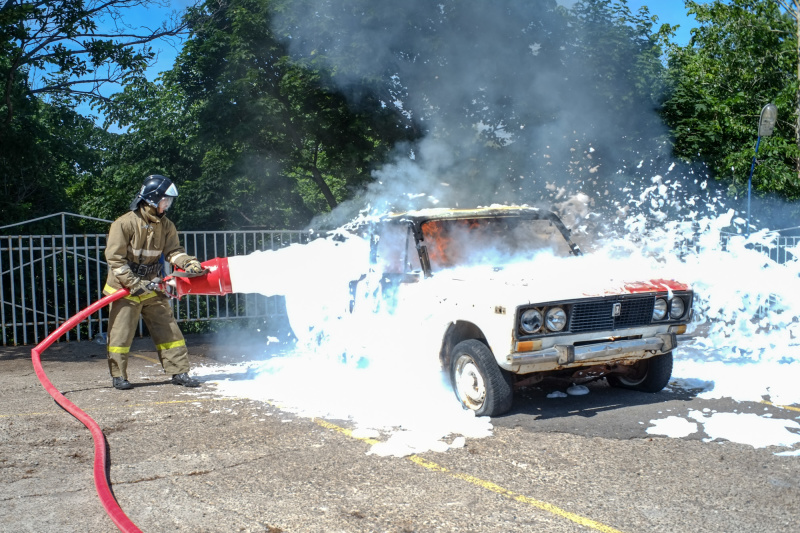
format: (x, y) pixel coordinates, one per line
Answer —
(598, 314)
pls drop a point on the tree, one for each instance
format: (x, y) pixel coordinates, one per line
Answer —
(72, 48)
(159, 140)
(48, 149)
(53, 55)
(743, 55)
(792, 8)
(273, 142)
(512, 100)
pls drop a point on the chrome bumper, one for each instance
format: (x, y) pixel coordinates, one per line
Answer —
(568, 354)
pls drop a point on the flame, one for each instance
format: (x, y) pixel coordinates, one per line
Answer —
(440, 238)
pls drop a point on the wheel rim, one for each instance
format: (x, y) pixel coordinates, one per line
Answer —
(631, 382)
(469, 383)
(637, 377)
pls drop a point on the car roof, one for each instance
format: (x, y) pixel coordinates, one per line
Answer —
(445, 213)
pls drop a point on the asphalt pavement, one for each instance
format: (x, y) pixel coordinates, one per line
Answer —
(189, 460)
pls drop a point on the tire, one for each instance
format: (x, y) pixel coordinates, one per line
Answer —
(656, 374)
(479, 384)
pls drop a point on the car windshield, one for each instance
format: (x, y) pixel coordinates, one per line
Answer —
(489, 241)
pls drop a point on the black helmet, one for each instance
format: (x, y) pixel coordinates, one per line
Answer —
(155, 189)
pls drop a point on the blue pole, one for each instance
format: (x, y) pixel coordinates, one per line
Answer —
(750, 184)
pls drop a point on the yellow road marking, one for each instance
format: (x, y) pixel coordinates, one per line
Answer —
(28, 414)
(788, 407)
(343, 431)
(488, 485)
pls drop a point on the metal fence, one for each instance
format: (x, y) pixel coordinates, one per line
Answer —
(45, 279)
(783, 250)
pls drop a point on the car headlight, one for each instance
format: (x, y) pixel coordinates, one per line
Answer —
(660, 309)
(531, 321)
(555, 319)
(677, 308)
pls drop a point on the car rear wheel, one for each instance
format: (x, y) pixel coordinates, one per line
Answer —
(479, 384)
(653, 375)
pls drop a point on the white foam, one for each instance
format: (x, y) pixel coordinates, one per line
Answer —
(672, 426)
(381, 371)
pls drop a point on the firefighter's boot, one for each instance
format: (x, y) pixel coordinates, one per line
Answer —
(121, 383)
(185, 380)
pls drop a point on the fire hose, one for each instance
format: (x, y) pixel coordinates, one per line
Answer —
(100, 446)
(215, 280)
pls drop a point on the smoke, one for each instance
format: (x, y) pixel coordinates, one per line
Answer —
(517, 102)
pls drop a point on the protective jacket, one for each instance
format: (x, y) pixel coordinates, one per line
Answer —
(135, 243)
(134, 246)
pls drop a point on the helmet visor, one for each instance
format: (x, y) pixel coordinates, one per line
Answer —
(165, 203)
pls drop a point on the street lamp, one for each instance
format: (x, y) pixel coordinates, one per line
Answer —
(766, 123)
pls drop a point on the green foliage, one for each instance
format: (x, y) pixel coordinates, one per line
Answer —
(62, 52)
(46, 153)
(54, 55)
(159, 140)
(742, 56)
(251, 138)
(271, 116)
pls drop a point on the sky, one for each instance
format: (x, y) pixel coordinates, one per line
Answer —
(668, 12)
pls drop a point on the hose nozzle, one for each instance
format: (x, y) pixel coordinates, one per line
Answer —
(214, 281)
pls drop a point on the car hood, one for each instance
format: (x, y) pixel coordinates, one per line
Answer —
(531, 288)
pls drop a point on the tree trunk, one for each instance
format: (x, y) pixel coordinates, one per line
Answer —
(316, 175)
(9, 105)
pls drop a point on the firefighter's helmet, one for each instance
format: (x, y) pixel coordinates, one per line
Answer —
(155, 189)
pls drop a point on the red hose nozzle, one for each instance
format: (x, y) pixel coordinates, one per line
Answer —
(215, 282)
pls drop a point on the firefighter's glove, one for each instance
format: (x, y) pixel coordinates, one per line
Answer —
(155, 284)
(193, 266)
(141, 287)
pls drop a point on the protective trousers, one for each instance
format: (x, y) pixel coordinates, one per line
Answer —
(155, 310)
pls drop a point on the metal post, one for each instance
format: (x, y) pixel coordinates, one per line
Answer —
(750, 184)
(766, 123)
(64, 269)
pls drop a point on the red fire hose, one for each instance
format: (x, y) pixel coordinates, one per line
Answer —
(215, 281)
(100, 453)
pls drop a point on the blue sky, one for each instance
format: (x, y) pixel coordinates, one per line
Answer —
(668, 12)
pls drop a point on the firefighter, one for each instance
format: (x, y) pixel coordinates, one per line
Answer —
(136, 243)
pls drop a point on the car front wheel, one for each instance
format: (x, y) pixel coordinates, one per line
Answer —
(479, 384)
(653, 375)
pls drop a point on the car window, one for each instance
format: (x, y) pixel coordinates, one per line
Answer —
(489, 241)
(396, 250)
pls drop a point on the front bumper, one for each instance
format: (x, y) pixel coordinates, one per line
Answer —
(563, 355)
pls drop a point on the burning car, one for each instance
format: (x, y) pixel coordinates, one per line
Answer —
(482, 280)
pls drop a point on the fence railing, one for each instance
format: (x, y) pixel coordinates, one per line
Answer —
(45, 279)
(782, 251)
